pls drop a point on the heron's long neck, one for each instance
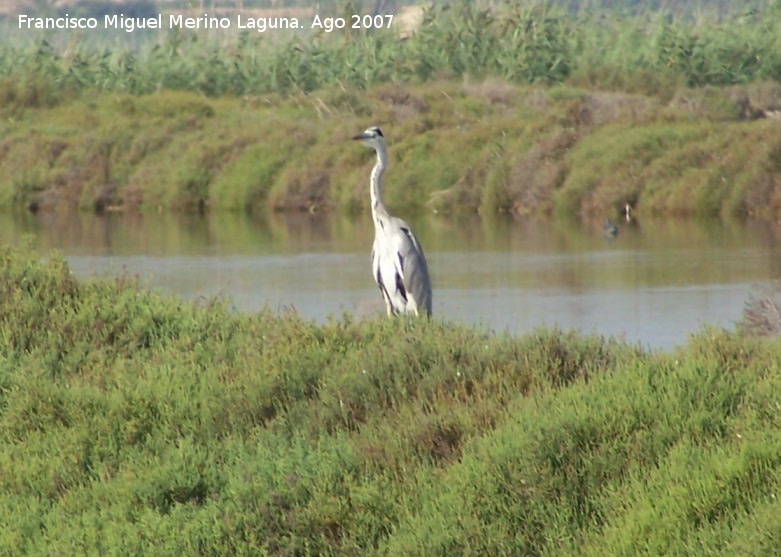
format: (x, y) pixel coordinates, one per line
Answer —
(376, 182)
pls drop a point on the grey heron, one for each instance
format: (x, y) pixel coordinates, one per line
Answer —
(398, 264)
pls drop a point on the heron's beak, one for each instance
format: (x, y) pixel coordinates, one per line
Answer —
(361, 136)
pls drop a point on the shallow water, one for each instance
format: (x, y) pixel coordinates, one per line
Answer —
(655, 283)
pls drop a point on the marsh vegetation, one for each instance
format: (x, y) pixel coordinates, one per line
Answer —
(131, 422)
(549, 112)
(522, 150)
(134, 423)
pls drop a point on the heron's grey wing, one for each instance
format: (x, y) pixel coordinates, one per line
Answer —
(412, 267)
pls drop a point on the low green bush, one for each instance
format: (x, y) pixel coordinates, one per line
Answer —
(136, 423)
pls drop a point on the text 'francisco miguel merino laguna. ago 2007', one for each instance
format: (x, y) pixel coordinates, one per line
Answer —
(179, 21)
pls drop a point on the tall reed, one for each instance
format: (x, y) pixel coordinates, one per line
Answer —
(516, 41)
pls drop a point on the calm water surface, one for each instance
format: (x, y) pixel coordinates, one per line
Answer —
(655, 283)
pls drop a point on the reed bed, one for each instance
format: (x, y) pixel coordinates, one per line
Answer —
(515, 41)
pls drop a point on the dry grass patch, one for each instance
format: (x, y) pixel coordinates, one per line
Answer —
(762, 312)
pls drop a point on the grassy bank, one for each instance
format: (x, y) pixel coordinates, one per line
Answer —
(132, 423)
(520, 149)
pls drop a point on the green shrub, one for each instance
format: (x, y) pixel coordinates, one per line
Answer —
(131, 422)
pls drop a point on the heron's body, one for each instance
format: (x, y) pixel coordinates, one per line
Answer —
(398, 263)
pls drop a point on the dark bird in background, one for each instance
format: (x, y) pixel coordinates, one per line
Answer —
(609, 229)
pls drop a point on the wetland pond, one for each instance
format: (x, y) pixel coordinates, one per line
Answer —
(655, 283)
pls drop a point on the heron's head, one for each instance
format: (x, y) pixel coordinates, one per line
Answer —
(371, 137)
